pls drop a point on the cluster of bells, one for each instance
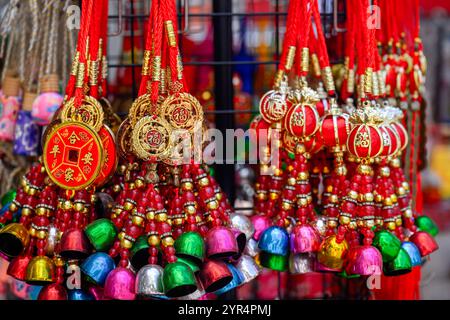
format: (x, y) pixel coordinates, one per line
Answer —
(213, 262)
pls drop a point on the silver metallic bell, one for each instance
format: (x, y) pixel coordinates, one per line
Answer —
(251, 248)
(242, 223)
(248, 268)
(149, 281)
(302, 263)
(321, 225)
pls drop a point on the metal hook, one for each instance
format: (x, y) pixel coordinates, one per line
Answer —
(186, 17)
(120, 20)
(335, 18)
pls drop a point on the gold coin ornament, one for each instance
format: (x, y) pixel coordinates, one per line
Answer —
(89, 112)
(182, 111)
(73, 155)
(151, 138)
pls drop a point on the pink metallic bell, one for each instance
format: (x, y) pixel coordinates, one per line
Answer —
(424, 242)
(241, 240)
(120, 284)
(364, 260)
(215, 275)
(221, 243)
(74, 244)
(53, 291)
(304, 238)
(18, 267)
(261, 223)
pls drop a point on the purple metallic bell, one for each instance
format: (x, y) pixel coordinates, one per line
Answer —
(261, 223)
(304, 238)
(364, 260)
(120, 284)
(221, 243)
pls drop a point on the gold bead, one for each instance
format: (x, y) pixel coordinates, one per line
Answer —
(116, 188)
(41, 234)
(332, 223)
(334, 198)
(13, 207)
(278, 172)
(150, 215)
(368, 197)
(204, 182)
(121, 235)
(178, 221)
(385, 172)
(128, 206)
(153, 240)
(32, 192)
(341, 170)
(286, 205)
(33, 232)
(401, 191)
(395, 163)
(326, 170)
(302, 202)
(188, 186)
(274, 196)
(125, 243)
(378, 198)
(167, 241)
(190, 210)
(78, 206)
(394, 198)
(398, 222)
(161, 217)
(379, 222)
(67, 205)
(344, 220)
(329, 189)
(58, 261)
(139, 183)
(387, 202)
(219, 196)
(27, 211)
(262, 196)
(353, 194)
(364, 169)
(300, 149)
(352, 225)
(26, 189)
(137, 220)
(212, 205)
(405, 185)
(391, 225)
(369, 223)
(291, 181)
(408, 213)
(303, 175)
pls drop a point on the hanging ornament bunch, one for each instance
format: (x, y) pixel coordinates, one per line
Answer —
(57, 196)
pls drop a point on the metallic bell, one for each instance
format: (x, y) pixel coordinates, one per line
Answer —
(388, 244)
(260, 223)
(178, 280)
(190, 245)
(425, 223)
(139, 253)
(321, 268)
(40, 271)
(97, 267)
(17, 268)
(364, 260)
(190, 263)
(54, 291)
(248, 268)
(120, 284)
(304, 238)
(74, 244)
(274, 261)
(274, 240)
(251, 248)
(424, 242)
(149, 281)
(14, 238)
(197, 294)
(101, 234)
(302, 263)
(221, 243)
(79, 295)
(242, 223)
(241, 240)
(332, 253)
(320, 224)
(400, 265)
(236, 282)
(52, 240)
(413, 252)
(215, 275)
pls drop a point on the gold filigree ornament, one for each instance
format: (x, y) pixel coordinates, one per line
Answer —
(151, 138)
(182, 111)
(90, 112)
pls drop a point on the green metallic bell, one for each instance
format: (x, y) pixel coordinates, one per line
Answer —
(345, 275)
(139, 253)
(8, 197)
(178, 280)
(273, 261)
(101, 234)
(190, 245)
(425, 223)
(400, 265)
(388, 244)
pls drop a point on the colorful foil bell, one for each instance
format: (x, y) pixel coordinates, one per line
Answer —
(236, 282)
(332, 253)
(149, 281)
(260, 223)
(221, 243)
(101, 234)
(197, 295)
(304, 238)
(413, 252)
(400, 265)
(190, 263)
(248, 268)
(388, 244)
(96, 267)
(241, 241)
(74, 244)
(178, 280)
(274, 261)
(424, 242)
(215, 275)
(302, 263)
(17, 268)
(79, 295)
(40, 271)
(242, 223)
(54, 291)
(120, 284)
(275, 240)
(364, 260)
(14, 238)
(251, 249)
(424, 223)
(190, 245)
(139, 253)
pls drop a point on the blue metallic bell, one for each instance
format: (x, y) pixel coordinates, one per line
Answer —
(275, 240)
(97, 266)
(413, 252)
(238, 279)
(79, 295)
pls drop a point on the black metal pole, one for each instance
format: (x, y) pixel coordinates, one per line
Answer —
(223, 89)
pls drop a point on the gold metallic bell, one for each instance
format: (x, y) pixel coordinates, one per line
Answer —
(14, 238)
(332, 253)
(40, 271)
